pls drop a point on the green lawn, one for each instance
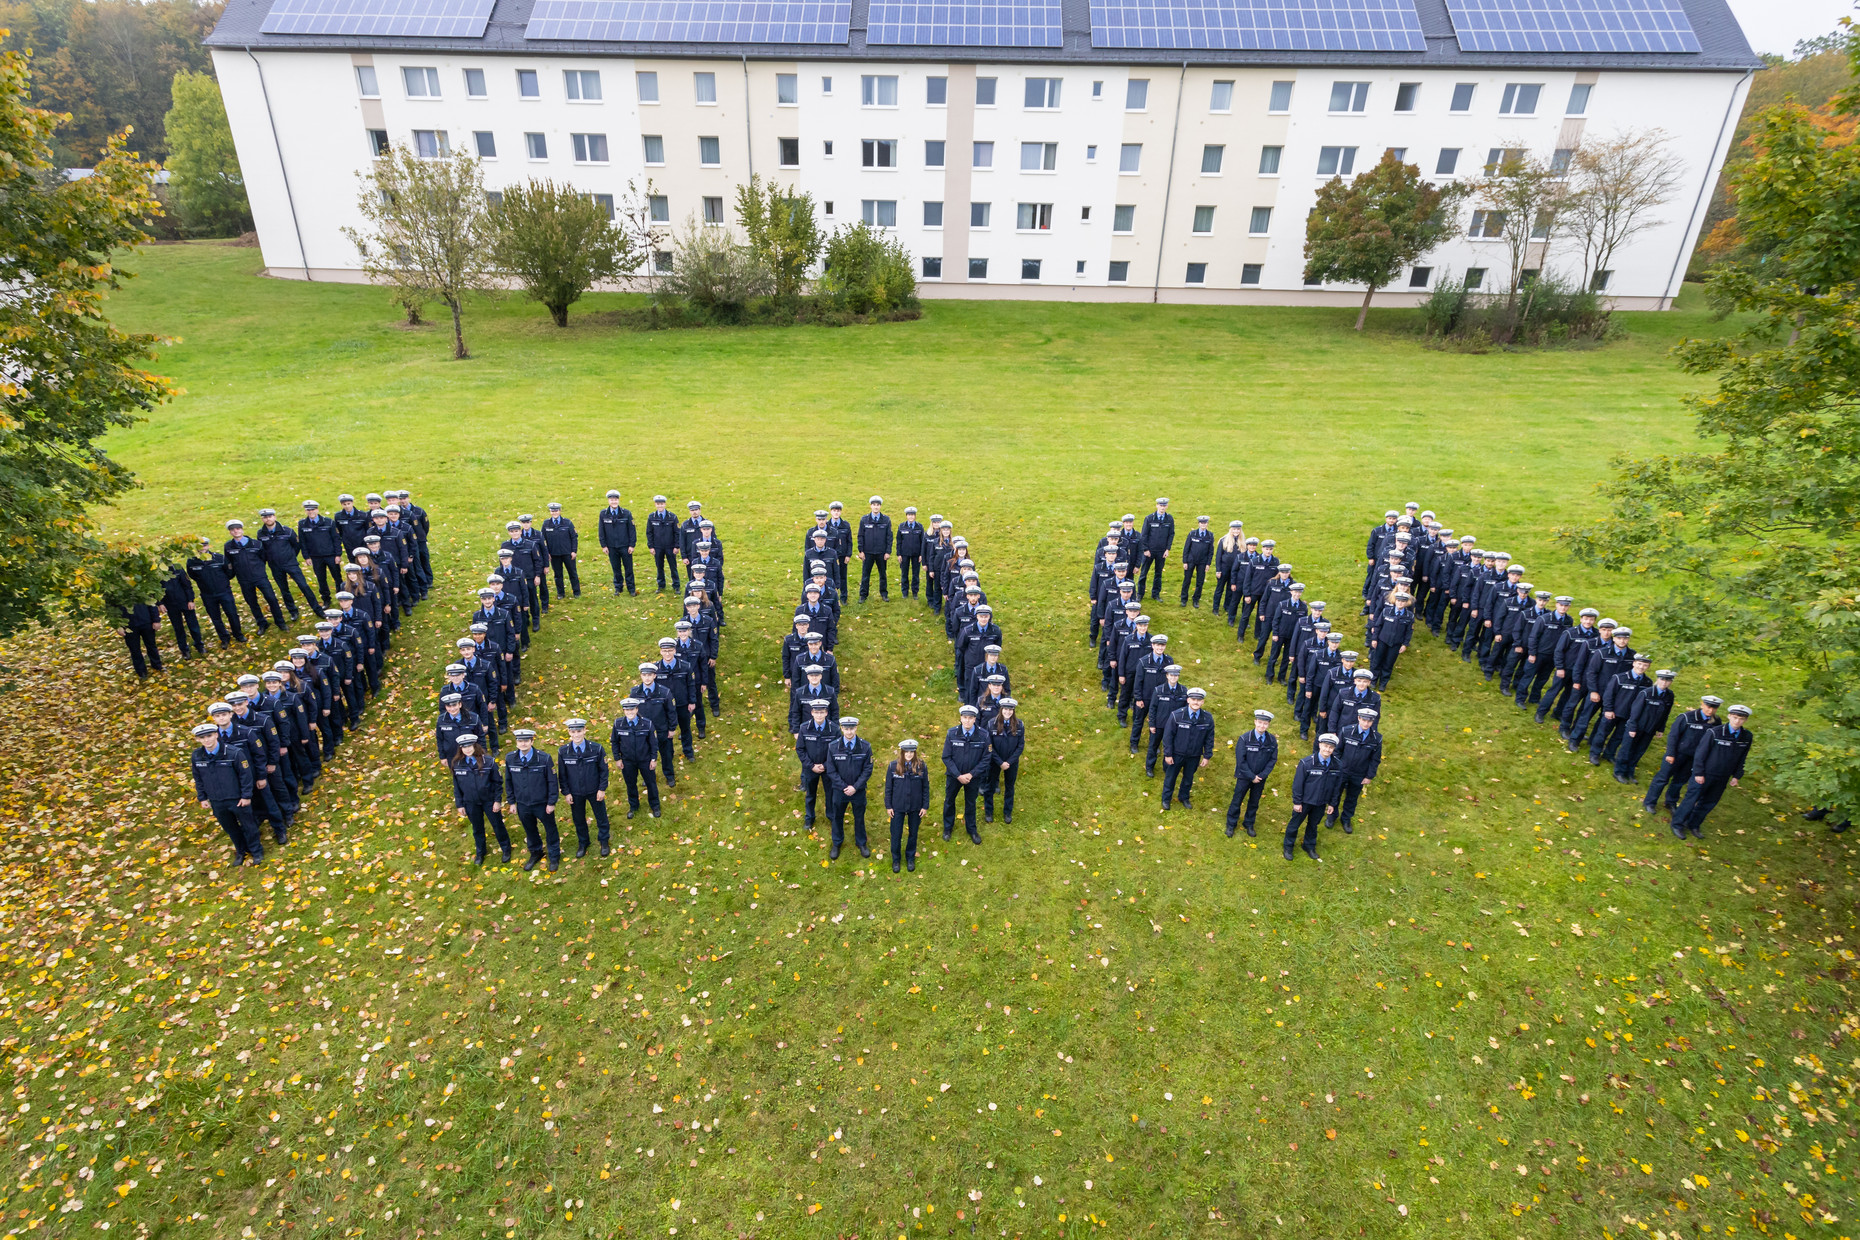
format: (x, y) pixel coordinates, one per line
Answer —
(1508, 1006)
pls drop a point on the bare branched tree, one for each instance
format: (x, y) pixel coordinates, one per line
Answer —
(1615, 187)
(1527, 195)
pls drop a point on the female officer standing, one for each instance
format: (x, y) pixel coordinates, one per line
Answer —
(477, 788)
(1007, 735)
(907, 796)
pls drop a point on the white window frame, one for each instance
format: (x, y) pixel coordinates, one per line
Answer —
(1124, 156)
(1291, 89)
(645, 149)
(702, 80)
(1220, 158)
(644, 79)
(716, 163)
(429, 79)
(583, 146)
(529, 147)
(1203, 211)
(1048, 157)
(873, 88)
(367, 82)
(871, 148)
(577, 93)
(1049, 93)
(792, 81)
(1356, 100)
(1131, 84)
(535, 79)
(477, 147)
(1214, 90)
(1117, 231)
(1041, 213)
(1253, 220)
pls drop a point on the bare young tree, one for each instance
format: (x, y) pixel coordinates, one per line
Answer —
(426, 237)
(633, 216)
(1526, 196)
(1615, 187)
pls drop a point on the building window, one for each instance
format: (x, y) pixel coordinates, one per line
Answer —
(590, 148)
(710, 152)
(605, 202)
(1221, 98)
(1029, 268)
(1042, 92)
(474, 84)
(1269, 160)
(1124, 217)
(659, 209)
(1559, 159)
(536, 145)
(878, 152)
(485, 142)
(1336, 160)
(826, 85)
(1487, 224)
(1578, 99)
(582, 85)
(1599, 281)
(933, 268)
(933, 215)
(979, 213)
(984, 97)
(1407, 94)
(789, 152)
(978, 269)
(1211, 160)
(421, 83)
(1281, 100)
(493, 197)
(1419, 277)
(1078, 268)
(378, 143)
(431, 143)
(705, 84)
(936, 95)
(1261, 222)
(1398, 153)
(1097, 90)
(529, 85)
(1541, 225)
(1197, 273)
(1039, 156)
(655, 149)
(713, 210)
(1119, 272)
(826, 148)
(787, 89)
(933, 152)
(1250, 272)
(1519, 99)
(1130, 157)
(1475, 276)
(1035, 217)
(1136, 94)
(1499, 158)
(662, 261)
(879, 212)
(984, 156)
(1463, 96)
(1091, 154)
(1448, 161)
(1204, 220)
(366, 83)
(878, 90)
(647, 85)
(1349, 96)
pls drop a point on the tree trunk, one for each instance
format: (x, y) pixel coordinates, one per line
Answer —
(1362, 315)
(559, 312)
(458, 332)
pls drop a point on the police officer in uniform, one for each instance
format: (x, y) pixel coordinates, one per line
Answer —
(351, 523)
(1145, 675)
(1620, 693)
(1158, 536)
(657, 704)
(581, 772)
(1646, 721)
(1187, 746)
(1317, 786)
(563, 543)
(477, 789)
(1008, 736)
(1359, 751)
(223, 784)
(321, 544)
(907, 797)
(1197, 554)
(531, 790)
(618, 536)
(454, 721)
(802, 698)
(849, 767)
(247, 561)
(1717, 764)
(966, 754)
(811, 743)
(662, 541)
(212, 576)
(1255, 754)
(911, 543)
(278, 543)
(1681, 744)
(874, 548)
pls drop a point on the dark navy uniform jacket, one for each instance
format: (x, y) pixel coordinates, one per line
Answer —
(1360, 752)
(849, 763)
(1188, 734)
(247, 562)
(531, 781)
(1650, 710)
(1255, 754)
(583, 773)
(476, 781)
(965, 755)
(1683, 740)
(559, 536)
(224, 777)
(617, 530)
(811, 743)
(875, 534)
(1158, 532)
(1315, 783)
(906, 793)
(661, 530)
(1720, 753)
(635, 741)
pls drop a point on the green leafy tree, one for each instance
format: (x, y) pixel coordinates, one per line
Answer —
(716, 274)
(557, 243)
(1527, 195)
(1758, 529)
(1367, 230)
(868, 272)
(782, 230)
(67, 375)
(203, 167)
(427, 236)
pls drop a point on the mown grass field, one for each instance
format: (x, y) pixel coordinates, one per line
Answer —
(1508, 1006)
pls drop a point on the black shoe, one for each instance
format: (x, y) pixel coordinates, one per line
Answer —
(1570, 743)
(477, 858)
(1008, 819)
(911, 865)
(1330, 822)
(988, 816)
(1698, 833)
(655, 813)
(1164, 808)
(1249, 829)
(552, 864)
(948, 831)
(1346, 827)
(1648, 809)
(1623, 779)
(896, 865)
(1133, 751)
(631, 812)
(1230, 830)
(1150, 771)
(1311, 852)
(506, 851)
(1814, 815)
(581, 852)
(535, 859)
(865, 852)
(1841, 826)
(975, 837)
(1595, 759)
(1679, 832)
(282, 835)
(833, 853)
(605, 849)
(1288, 850)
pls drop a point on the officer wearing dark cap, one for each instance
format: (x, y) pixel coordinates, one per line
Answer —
(849, 768)
(321, 544)
(477, 791)
(811, 744)
(1255, 754)
(531, 790)
(966, 754)
(1187, 746)
(874, 543)
(563, 544)
(1682, 741)
(618, 537)
(636, 745)
(224, 784)
(581, 771)
(1197, 554)
(1717, 764)
(662, 541)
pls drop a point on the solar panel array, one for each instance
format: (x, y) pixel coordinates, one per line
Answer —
(940, 23)
(692, 21)
(437, 19)
(1572, 26)
(1268, 25)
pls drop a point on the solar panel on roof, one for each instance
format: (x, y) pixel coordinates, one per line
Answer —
(1276, 25)
(437, 19)
(691, 21)
(942, 23)
(1572, 26)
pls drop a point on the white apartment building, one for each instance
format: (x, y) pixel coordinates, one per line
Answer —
(1085, 168)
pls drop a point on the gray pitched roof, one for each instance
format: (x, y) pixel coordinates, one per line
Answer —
(1721, 42)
